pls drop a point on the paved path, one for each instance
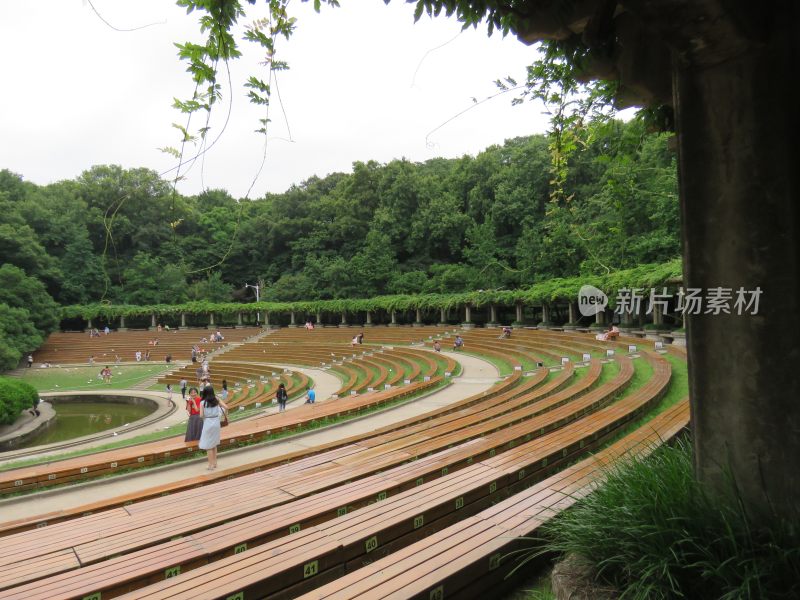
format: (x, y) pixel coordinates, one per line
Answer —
(477, 376)
(324, 382)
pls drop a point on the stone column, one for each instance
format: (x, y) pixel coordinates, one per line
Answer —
(394, 319)
(739, 179)
(369, 319)
(292, 322)
(319, 319)
(600, 317)
(89, 323)
(520, 315)
(211, 324)
(239, 319)
(343, 323)
(626, 320)
(658, 315)
(442, 317)
(418, 322)
(266, 319)
(573, 313)
(492, 316)
(152, 321)
(122, 325)
(183, 319)
(545, 313)
(468, 317)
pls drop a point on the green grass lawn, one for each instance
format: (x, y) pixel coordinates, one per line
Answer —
(60, 379)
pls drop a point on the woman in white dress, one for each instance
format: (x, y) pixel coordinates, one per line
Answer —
(211, 410)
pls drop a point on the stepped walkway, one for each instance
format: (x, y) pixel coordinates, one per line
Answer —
(477, 375)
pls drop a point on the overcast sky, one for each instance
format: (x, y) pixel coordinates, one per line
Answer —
(365, 82)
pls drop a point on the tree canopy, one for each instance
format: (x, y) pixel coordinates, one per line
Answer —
(442, 226)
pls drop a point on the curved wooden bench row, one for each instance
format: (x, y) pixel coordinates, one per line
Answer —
(298, 486)
(76, 347)
(251, 430)
(406, 514)
(468, 559)
(39, 521)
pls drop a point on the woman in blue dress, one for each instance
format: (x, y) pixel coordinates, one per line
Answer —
(211, 410)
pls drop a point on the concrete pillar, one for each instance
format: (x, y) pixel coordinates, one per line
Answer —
(518, 322)
(319, 318)
(211, 324)
(89, 323)
(418, 322)
(737, 144)
(292, 322)
(122, 324)
(468, 317)
(600, 317)
(239, 319)
(545, 313)
(343, 323)
(369, 319)
(266, 320)
(658, 315)
(152, 321)
(394, 319)
(442, 317)
(573, 313)
(626, 320)
(492, 316)
(183, 319)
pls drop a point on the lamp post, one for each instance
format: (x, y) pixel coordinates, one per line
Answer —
(257, 289)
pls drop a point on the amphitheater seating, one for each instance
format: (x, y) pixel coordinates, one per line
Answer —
(76, 348)
(290, 528)
(315, 481)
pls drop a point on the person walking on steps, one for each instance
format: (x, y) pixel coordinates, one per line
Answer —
(282, 396)
(212, 410)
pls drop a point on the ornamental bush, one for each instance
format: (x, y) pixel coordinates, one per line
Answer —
(15, 396)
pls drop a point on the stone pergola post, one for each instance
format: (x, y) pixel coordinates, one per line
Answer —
(183, 320)
(658, 314)
(343, 322)
(520, 316)
(89, 323)
(394, 319)
(545, 313)
(319, 318)
(468, 317)
(211, 324)
(266, 319)
(626, 319)
(600, 317)
(292, 322)
(492, 316)
(418, 322)
(442, 317)
(573, 313)
(239, 319)
(369, 319)
(153, 321)
(122, 324)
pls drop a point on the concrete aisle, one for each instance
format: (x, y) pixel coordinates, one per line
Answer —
(324, 382)
(477, 375)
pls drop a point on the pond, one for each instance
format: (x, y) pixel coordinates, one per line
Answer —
(76, 419)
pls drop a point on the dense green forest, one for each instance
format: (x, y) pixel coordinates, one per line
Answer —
(445, 225)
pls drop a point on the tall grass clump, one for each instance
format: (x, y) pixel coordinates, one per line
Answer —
(654, 532)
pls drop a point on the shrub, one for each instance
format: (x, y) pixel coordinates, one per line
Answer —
(15, 396)
(655, 532)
